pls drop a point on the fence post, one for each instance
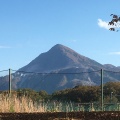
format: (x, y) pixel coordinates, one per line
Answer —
(10, 82)
(102, 90)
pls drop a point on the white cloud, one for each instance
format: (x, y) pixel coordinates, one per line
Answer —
(114, 53)
(4, 47)
(104, 24)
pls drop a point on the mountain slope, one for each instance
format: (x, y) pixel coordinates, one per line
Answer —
(59, 57)
(60, 68)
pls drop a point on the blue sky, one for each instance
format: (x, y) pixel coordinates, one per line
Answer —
(31, 27)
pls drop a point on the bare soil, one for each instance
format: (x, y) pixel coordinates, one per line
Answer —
(106, 115)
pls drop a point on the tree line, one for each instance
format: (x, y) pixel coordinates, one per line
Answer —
(81, 94)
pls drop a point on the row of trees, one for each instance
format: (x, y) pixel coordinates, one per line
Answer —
(90, 93)
(82, 94)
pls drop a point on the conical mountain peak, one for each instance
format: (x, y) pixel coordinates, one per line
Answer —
(60, 48)
(66, 51)
(58, 57)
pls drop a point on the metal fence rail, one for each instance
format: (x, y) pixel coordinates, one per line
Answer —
(102, 74)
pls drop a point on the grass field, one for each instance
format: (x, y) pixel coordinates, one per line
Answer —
(23, 108)
(21, 104)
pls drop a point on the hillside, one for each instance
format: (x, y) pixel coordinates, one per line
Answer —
(59, 57)
(58, 69)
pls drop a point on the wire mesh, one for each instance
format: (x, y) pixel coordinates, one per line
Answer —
(58, 80)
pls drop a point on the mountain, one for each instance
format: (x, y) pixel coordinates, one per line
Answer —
(111, 67)
(60, 68)
(59, 57)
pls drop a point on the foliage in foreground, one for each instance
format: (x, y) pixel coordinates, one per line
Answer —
(21, 104)
(81, 94)
(85, 94)
(27, 100)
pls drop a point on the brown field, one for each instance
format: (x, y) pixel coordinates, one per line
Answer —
(106, 115)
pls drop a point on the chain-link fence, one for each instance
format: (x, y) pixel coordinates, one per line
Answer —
(60, 80)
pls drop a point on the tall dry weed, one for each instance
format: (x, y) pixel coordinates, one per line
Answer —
(19, 104)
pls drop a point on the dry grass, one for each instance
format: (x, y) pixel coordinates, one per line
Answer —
(25, 104)
(15, 104)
